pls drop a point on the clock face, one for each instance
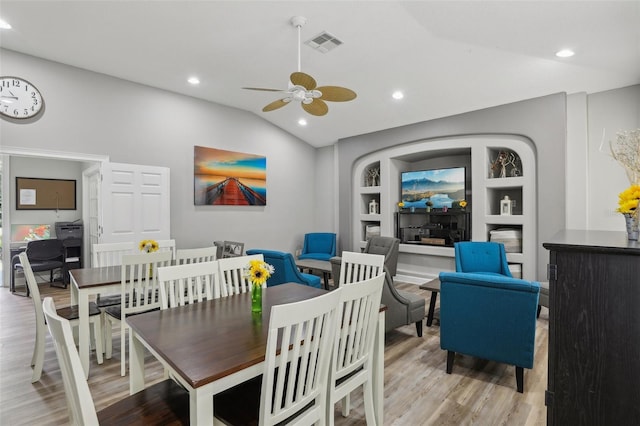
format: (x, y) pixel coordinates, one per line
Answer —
(19, 98)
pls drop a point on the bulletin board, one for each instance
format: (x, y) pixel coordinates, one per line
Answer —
(45, 194)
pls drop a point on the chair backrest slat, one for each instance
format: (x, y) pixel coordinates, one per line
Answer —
(232, 274)
(196, 255)
(139, 281)
(296, 365)
(359, 267)
(32, 285)
(82, 411)
(168, 245)
(188, 283)
(357, 322)
(110, 254)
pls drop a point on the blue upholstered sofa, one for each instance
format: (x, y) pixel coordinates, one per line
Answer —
(285, 269)
(489, 316)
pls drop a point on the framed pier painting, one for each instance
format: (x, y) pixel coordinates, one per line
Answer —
(228, 178)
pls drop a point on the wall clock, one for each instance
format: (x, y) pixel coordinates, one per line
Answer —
(19, 98)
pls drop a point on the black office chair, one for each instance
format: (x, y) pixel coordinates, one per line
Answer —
(44, 255)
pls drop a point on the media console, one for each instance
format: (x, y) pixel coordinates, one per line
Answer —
(438, 227)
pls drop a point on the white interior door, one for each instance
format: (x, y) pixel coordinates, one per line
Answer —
(135, 203)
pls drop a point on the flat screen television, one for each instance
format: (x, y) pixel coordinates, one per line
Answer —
(440, 186)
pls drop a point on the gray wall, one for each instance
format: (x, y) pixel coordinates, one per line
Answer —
(542, 120)
(608, 113)
(91, 113)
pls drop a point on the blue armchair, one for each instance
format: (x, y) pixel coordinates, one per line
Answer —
(285, 269)
(319, 245)
(490, 317)
(481, 258)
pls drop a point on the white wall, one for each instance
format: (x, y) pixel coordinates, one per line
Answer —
(91, 113)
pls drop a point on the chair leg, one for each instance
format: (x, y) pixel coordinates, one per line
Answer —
(369, 409)
(123, 351)
(98, 338)
(450, 356)
(38, 354)
(520, 378)
(346, 405)
(538, 313)
(108, 337)
(419, 328)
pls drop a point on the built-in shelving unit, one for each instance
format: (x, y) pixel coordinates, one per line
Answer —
(485, 189)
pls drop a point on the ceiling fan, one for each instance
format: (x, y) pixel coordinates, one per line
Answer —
(303, 88)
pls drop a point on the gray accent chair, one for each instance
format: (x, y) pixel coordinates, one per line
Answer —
(403, 307)
(386, 246)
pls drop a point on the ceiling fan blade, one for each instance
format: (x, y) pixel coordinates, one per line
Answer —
(336, 93)
(263, 89)
(305, 80)
(317, 107)
(275, 105)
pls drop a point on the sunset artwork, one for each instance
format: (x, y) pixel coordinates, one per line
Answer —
(228, 178)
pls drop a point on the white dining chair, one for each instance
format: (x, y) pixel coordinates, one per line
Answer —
(69, 313)
(189, 283)
(295, 376)
(233, 279)
(168, 245)
(139, 293)
(196, 255)
(110, 254)
(352, 359)
(165, 400)
(359, 266)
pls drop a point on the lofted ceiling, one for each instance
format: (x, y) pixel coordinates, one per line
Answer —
(448, 57)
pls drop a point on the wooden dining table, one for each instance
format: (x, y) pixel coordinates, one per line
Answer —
(86, 282)
(214, 345)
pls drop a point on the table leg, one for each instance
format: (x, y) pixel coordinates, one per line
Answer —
(200, 408)
(378, 371)
(83, 330)
(325, 275)
(136, 363)
(432, 307)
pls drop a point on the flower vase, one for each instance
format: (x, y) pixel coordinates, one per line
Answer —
(632, 226)
(256, 298)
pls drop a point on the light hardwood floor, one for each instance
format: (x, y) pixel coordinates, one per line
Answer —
(417, 389)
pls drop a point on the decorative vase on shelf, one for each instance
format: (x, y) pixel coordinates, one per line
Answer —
(632, 226)
(256, 297)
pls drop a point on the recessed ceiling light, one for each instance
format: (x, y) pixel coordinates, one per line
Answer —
(194, 80)
(302, 122)
(397, 94)
(565, 53)
(4, 25)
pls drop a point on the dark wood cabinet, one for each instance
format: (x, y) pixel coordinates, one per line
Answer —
(594, 329)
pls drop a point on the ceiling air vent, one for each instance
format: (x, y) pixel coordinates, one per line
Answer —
(323, 42)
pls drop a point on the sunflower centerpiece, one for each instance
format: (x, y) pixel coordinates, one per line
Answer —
(148, 246)
(625, 149)
(628, 205)
(258, 272)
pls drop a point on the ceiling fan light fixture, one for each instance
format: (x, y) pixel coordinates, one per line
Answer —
(304, 88)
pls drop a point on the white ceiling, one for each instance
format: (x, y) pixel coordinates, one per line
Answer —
(449, 57)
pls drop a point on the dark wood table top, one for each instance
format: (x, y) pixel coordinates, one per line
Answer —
(207, 341)
(96, 277)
